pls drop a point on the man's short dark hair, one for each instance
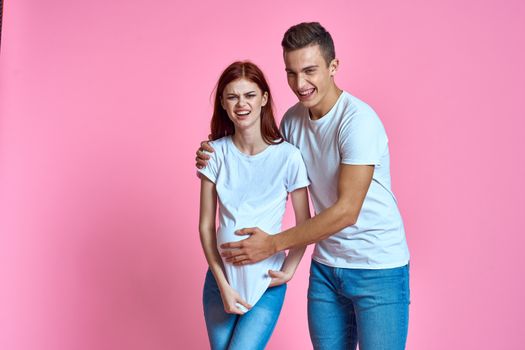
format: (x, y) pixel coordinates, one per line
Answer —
(308, 34)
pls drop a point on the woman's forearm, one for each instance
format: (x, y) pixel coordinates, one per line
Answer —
(209, 246)
(293, 259)
(207, 230)
(302, 214)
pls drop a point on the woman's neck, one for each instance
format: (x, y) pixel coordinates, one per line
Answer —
(249, 141)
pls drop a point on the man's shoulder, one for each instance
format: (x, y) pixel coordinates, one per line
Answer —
(355, 113)
(353, 106)
(294, 113)
(359, 118)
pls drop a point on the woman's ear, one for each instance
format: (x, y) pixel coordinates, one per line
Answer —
(264, 99)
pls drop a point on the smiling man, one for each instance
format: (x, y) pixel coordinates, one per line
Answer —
(359, 277)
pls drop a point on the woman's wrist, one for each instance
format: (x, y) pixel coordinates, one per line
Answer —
(223, 287)
(289, 272)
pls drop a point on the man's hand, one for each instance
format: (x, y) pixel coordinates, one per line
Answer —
(257, 247)
(202, 158)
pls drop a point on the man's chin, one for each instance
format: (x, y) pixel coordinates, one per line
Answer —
(307, 103)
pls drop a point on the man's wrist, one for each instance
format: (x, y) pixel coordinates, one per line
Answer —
(274, 243)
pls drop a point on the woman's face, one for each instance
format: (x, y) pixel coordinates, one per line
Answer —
(242, 100)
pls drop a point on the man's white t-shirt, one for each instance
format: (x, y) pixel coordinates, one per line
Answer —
(252, 192)
(350, 133)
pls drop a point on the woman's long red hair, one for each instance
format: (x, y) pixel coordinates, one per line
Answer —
(221, 125)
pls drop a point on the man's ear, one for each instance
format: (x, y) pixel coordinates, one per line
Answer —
(334, 65)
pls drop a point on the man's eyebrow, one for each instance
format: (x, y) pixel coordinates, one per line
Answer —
(302, 69)
(310, 67)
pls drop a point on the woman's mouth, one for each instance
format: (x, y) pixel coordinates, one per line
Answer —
(242, 114)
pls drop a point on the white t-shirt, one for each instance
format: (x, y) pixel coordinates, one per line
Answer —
(252, 192)
(350, 133)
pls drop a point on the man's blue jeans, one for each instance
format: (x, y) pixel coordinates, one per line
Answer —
(365, 306)
(234, 332)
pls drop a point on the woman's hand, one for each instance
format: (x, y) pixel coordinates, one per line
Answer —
(279, 277)
(232, 301)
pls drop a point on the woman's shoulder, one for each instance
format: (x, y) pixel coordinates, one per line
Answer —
(221, 142)
(288, 149)
(285, 145)
(220, 145)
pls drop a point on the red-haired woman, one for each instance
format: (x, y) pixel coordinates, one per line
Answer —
(249, 175)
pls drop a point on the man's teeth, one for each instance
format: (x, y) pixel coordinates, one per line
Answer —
(306, 93)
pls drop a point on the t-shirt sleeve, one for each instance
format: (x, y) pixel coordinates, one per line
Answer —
(296, 176)
(362, 140)
(212, 169)
(283, 128)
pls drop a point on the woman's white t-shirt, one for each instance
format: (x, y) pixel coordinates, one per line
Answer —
(252, 192)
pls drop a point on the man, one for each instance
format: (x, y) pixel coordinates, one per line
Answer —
(359, 277)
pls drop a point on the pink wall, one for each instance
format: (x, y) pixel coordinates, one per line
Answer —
(103, 103)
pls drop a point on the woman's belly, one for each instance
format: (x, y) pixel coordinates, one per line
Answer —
(250, 281)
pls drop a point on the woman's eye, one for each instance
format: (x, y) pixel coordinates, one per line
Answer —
(231, 98)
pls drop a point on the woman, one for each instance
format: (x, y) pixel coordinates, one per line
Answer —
(249, 175)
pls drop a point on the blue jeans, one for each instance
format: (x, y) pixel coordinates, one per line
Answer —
(249, 331)
(365, 306)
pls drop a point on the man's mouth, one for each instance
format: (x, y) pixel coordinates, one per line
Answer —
(306, 93)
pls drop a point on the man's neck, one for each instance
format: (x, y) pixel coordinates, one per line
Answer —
(326, 104)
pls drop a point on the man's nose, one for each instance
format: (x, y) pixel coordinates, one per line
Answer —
(300, 82)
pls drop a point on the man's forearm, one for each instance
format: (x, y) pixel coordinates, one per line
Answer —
(321, 226)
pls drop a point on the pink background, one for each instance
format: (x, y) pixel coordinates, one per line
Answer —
(102, 106)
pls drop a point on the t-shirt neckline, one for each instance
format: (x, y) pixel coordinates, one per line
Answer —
(328, 114)
(244, 155)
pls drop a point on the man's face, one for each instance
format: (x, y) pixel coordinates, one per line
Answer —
(309, 76)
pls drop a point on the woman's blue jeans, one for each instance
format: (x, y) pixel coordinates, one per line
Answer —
(235, 332)
(365, 306)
